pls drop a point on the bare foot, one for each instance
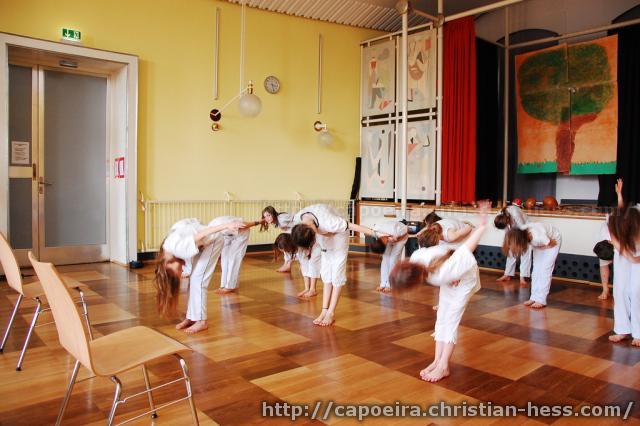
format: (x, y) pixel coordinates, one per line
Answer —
(428, 369)
(604, 295)
(383, 289)
(523, 282)
(504, 278)
(196, 327)
(529, 303)
(302, 293)
(309, 294)
(436, 374)
(184, 324)
(435, 308)
(223, 290)
(320, 318)
(635, 342)
(616, 338)
(328, 320)
(284, 268)
(537, 305)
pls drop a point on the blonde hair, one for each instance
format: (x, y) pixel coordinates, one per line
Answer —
(407, 274)
(167, 286)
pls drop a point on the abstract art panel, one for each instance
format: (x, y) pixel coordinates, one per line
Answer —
(422, 70)
(421, 160)
(378, 78)
(567, 103)
(377, 149)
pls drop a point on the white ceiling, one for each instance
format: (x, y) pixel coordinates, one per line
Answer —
(374, 14)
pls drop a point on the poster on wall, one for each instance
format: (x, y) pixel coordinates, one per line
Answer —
(421, 160)
(378, 78)
(377, 149)
(421, 77)
(567, 108)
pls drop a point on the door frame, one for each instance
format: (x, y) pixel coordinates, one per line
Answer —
(122, 131)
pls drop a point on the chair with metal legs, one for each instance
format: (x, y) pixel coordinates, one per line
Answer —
(112, 354)
(32, 290)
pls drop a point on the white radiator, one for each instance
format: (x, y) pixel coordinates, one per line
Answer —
(160, 215)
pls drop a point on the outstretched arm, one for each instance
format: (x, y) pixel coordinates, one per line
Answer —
(210, 230)
(474, 239)
(457, 235)
(366, 231)
(619, 193)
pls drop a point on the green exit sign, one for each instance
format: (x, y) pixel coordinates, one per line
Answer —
(71, 35)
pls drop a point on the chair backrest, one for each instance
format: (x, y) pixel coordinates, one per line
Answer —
(67, 318)
(10, 265)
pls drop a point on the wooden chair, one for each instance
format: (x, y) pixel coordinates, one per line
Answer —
(32, 290)
(112, 354)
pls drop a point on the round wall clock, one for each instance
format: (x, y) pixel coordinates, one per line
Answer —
(272, 84)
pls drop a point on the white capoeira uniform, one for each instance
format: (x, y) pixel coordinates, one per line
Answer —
(334, 248)
(393, 251)
(233, 251)
(519, 219)
(309, 265)
(450, 224)
(626, 296)
(544, 259)
(285, 223)
(199, 262)
(461, 266)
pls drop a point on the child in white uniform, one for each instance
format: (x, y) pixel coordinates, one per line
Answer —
(309, 262)
(322, 224)
(457, 275)
(190, 249)
(283, 221)
(234, 248)
(390, 248)
(545, 241)
(509, 217)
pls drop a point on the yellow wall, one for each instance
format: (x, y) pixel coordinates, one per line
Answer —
(270, 156)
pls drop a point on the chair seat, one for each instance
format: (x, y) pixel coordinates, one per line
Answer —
(126, 349)
(34, 289)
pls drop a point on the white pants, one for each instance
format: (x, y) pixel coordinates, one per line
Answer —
(310, 266)
(202, 269)
(233, 251)
(451, 305)
(544, 261)
(626, 296)
(333, 260)
(525, 264)
(391, 256)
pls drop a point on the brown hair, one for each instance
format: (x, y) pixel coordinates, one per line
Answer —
(167, 286)
(430, 219)
(272, 211)
(407, 274)
(377, 245)
(503, 219)
(624, 226)
(303, 236)
(516, 242)
(431, 237)
(284, 243)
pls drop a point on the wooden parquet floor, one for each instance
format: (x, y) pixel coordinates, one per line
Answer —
(262, 346)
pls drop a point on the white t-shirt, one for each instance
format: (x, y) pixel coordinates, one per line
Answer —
(518, 217)
(326, 218)
(461, 266)
(542, 233)
(391, 227)
(285, 221)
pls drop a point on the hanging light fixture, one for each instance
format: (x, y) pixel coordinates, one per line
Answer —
(249, 104)
(324, 137)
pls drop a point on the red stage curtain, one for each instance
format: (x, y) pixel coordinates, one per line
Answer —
(459, 112)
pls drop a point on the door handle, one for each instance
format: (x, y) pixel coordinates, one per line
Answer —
(41, 181)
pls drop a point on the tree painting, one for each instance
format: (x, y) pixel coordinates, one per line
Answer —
(567, 108)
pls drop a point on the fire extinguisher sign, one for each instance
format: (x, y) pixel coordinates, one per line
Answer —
(118, 167)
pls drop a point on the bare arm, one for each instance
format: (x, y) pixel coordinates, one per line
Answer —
(366, 231)
(457, 235)
(474, 239)
(619, 193)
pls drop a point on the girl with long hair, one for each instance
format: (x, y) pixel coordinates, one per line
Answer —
(323, 225)
(457, 275)
(309, 261)
(449, 231)
(545, 241)
(282, 221)
(510, 217)
(389, 247)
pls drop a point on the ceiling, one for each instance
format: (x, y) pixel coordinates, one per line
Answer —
(374, 14)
